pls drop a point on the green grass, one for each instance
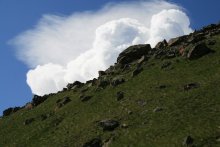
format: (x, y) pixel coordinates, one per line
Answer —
(194, 112)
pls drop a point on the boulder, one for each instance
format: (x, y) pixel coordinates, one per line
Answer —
(9, 111)
(96, 142)
(61, 102)
(198, 51)
(29, 106)
(176, 41)
(190, 86)
(38, 100)
(162, 44)
(137, 71)
(187, 141)
(108, 125)
(103, 83)
(84, 98)
(142, 59)
(74, 85)
(102, 73)
(133, 53)
(117, 80)
(157, 109)
(28, 121)
(119, 95)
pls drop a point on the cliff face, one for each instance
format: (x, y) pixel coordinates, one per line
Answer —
(163, 96)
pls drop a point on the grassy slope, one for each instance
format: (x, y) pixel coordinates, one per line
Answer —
(195, 112)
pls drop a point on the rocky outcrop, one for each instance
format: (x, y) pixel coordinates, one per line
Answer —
(198, 51)
(38, 100)
(133, 53)
(108, 125)
(74, 85)
(10, 111)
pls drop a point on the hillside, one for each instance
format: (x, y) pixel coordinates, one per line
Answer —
(158, 97)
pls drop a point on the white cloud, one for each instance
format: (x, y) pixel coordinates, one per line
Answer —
(64, 49)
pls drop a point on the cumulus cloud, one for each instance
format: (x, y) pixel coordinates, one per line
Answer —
(62, 49)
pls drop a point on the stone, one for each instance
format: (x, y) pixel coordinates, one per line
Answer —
(162, 44)
(119, 95)
(137, 71)
(124, 126)
(84, 98)
(37, 100)
(117, 81)
(102, 73)
(162, 86)
(198, 51)
(28, 121)
(96, 142)
(157, 109)
(108, 125)
(10, 111)
(142, 59)
(176, 41)
(61, 102)
(190, 86)
(133, 53)
(187, 141)
(76, 84)
(211, 42)
(103, 83)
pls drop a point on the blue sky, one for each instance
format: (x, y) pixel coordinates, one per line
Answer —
(17, 17)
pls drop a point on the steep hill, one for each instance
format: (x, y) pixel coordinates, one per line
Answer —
(164, 96)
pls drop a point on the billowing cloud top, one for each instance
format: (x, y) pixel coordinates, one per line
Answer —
(61, 49)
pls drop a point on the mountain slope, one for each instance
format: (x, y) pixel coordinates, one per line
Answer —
(166, 96)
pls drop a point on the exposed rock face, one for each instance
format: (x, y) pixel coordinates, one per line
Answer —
(117, 80)
(74, 85)
(84, 98)
(162, 44)
(61, 102)
(38, 100)
(9, 111)
(108, 125)
(28, 121)
(137, 71)
(133, 53)
(198, 51)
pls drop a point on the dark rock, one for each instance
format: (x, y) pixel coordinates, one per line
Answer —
(108, 125)
(76, 84)
(198, 51)
(166, 64)
(96, 142)
(102, 73)
(28, 121)
(10, 111)
(65, 89)
(133, 53)
(162, 44)
(119, 95)
(124, 126)
(38, 100)
(43, 117)
(137, 71)
(157, 109)
(162, 86)
(176, 41)
(125, 67)
(190, 86)
(103, 83)
(142, 59)
(61, 102)
(116, 81)
(84, 98)
(188, 141)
